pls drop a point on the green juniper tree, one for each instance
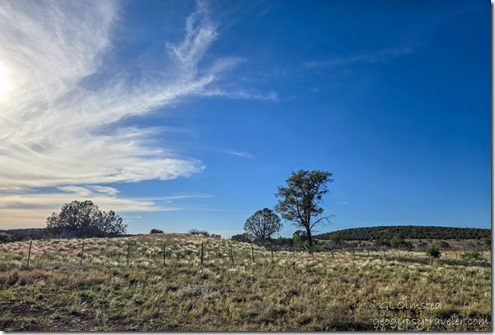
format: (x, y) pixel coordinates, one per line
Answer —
(262, 225)
(300, 201)
(84, 219)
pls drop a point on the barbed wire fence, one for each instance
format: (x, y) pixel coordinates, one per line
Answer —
(134, 252)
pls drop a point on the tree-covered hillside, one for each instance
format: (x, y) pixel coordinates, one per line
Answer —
(410, 232)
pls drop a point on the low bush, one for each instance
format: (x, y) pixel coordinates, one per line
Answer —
(4, 237)
(471, 255)
(433, 251)
(199, 232)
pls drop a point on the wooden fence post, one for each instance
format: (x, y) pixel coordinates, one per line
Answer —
(232, 255)
(82, 252)
(273, 260)
(128, 251)
(252, 252)
(164, 254)
(29, 253)
(202, 253)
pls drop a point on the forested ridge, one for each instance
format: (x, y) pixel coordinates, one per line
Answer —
(409, 232)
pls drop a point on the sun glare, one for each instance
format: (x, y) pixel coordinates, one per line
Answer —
(4, 82)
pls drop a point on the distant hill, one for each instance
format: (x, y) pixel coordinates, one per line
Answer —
(12, 235)
(406, 232)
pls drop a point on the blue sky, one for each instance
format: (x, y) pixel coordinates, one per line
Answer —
(189, 114)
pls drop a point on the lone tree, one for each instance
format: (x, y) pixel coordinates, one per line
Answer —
(300, 201)
(84, 219)
(262, 225)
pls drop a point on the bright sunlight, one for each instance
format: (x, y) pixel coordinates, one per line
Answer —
(4, 82)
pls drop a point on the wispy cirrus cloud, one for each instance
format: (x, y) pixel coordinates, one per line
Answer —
(61, 108)
(245, 94)
(89, 190)
(105, 190)
(241, 154)
(53, 129)
(381, 56)
(77, 190)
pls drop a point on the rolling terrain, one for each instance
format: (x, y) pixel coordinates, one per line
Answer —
(181, 282)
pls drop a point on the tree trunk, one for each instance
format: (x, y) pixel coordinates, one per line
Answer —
(310, 240)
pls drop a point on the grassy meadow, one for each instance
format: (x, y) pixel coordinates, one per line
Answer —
(158, 283)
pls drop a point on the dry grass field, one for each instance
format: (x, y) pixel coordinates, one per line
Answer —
(130, 283)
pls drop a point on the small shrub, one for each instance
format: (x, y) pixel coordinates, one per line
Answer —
(446, 313)
(303, 319)
(433, 251)
(156, 231)
(9, 278)
(4, 237)
(444, 245)
(317, 247)
(471, 255)
(199, 232)
(382, 242)
(240, 238)
(422, 245)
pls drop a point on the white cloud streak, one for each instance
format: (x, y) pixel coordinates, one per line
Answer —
(105, 189)
(81, 191)
(241, 154)
(381, 56)
(61, 107)
(54, 130)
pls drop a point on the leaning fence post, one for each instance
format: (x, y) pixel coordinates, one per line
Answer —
(272, 253)
(202, 253)
(82, 252)
(29, 253)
